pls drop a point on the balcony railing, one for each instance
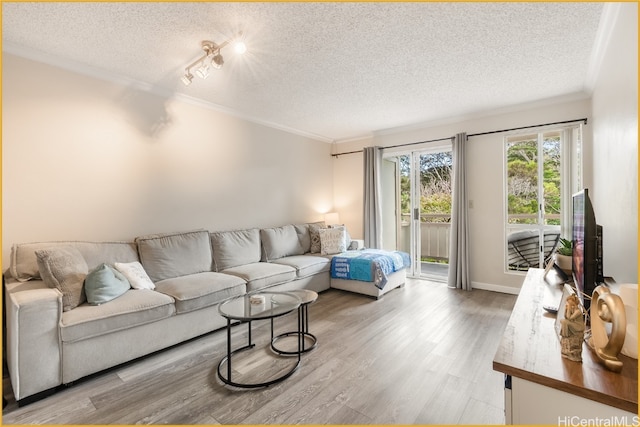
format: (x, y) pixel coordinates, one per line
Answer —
(434, 235)
(435, 230)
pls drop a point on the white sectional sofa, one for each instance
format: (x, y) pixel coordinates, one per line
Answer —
(50, 340)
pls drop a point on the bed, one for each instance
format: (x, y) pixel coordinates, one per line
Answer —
(371, 272)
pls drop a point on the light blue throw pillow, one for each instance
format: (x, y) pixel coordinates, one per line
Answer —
(104, 284)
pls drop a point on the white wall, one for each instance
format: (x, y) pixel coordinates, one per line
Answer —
(610, 163)
(88, 159)
(485, 180)
(614, 190)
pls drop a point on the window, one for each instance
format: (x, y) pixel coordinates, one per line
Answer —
(537, 194)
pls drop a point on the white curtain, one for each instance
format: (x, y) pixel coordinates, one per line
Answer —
(459, 245)
(372, 204)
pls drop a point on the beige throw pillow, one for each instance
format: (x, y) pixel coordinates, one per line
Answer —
(314, 235)
(64, 268)
(332, 240)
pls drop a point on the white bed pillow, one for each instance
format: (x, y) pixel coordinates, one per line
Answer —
(135, 273)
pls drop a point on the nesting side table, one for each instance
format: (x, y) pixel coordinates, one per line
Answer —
(306, 297)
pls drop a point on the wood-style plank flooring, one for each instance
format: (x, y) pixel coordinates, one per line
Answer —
(422, 354)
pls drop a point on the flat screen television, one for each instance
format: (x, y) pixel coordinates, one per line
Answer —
(587, 247)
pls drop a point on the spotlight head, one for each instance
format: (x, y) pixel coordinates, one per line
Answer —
(240, 47)
(187, 79)
(203, 71)
(217, 61)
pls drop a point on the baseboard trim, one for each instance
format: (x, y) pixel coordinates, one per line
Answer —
(495, 288)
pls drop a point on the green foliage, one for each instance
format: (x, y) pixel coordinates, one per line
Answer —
(435, 185)
(522, 179)
(438, 203)
(566, 247)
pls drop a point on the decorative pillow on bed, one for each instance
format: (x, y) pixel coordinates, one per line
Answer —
(104, 284)
(64, 268)
(332, 240)
(135, 274)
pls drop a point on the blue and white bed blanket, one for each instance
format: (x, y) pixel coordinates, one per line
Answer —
(368, 265)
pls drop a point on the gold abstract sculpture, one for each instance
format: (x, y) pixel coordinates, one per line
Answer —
(607, 307)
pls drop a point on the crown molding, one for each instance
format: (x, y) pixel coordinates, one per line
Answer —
(231, 112)
(363, 137)
(101, 74)
(561, 99)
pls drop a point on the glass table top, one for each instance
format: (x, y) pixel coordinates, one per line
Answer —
(275, 304)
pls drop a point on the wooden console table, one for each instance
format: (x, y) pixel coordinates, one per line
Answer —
(542, 387)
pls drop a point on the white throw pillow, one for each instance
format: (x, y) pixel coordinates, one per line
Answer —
(332, 240)
(135, 274)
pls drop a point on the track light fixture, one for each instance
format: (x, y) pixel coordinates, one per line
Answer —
(212, 58)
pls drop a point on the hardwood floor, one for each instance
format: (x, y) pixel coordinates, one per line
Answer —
(420, 355)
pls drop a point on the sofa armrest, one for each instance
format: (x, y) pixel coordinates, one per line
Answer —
(33, 313)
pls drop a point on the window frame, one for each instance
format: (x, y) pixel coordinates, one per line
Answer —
(571, 169)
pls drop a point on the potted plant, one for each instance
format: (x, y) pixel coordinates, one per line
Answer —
(564, 254)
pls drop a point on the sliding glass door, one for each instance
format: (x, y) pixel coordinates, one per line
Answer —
(423, 203)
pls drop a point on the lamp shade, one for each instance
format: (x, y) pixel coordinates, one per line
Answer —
(331, 218)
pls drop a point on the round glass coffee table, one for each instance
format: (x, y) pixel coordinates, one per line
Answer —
(272, 305)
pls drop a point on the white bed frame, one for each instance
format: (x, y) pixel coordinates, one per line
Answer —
(394, 280)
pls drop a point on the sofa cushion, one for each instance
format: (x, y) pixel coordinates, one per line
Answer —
(169, 255)
(306, 265)
(201, 290)
(64, 268)
(24, 264)
(302, 230)
(262, 275)
(132, 309)
(103, 284)
(234, 248)
(280, 242)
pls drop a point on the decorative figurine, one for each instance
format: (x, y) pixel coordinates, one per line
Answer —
(572, 329)
(607, 308)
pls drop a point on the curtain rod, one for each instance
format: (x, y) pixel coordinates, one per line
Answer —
(394, 146)
(529, 127)
(470, 135)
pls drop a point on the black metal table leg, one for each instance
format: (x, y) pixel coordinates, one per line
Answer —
(301, 334)
(244, 309)
(229, 357)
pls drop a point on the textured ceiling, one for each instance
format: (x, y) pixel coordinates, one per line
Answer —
(331, 70)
